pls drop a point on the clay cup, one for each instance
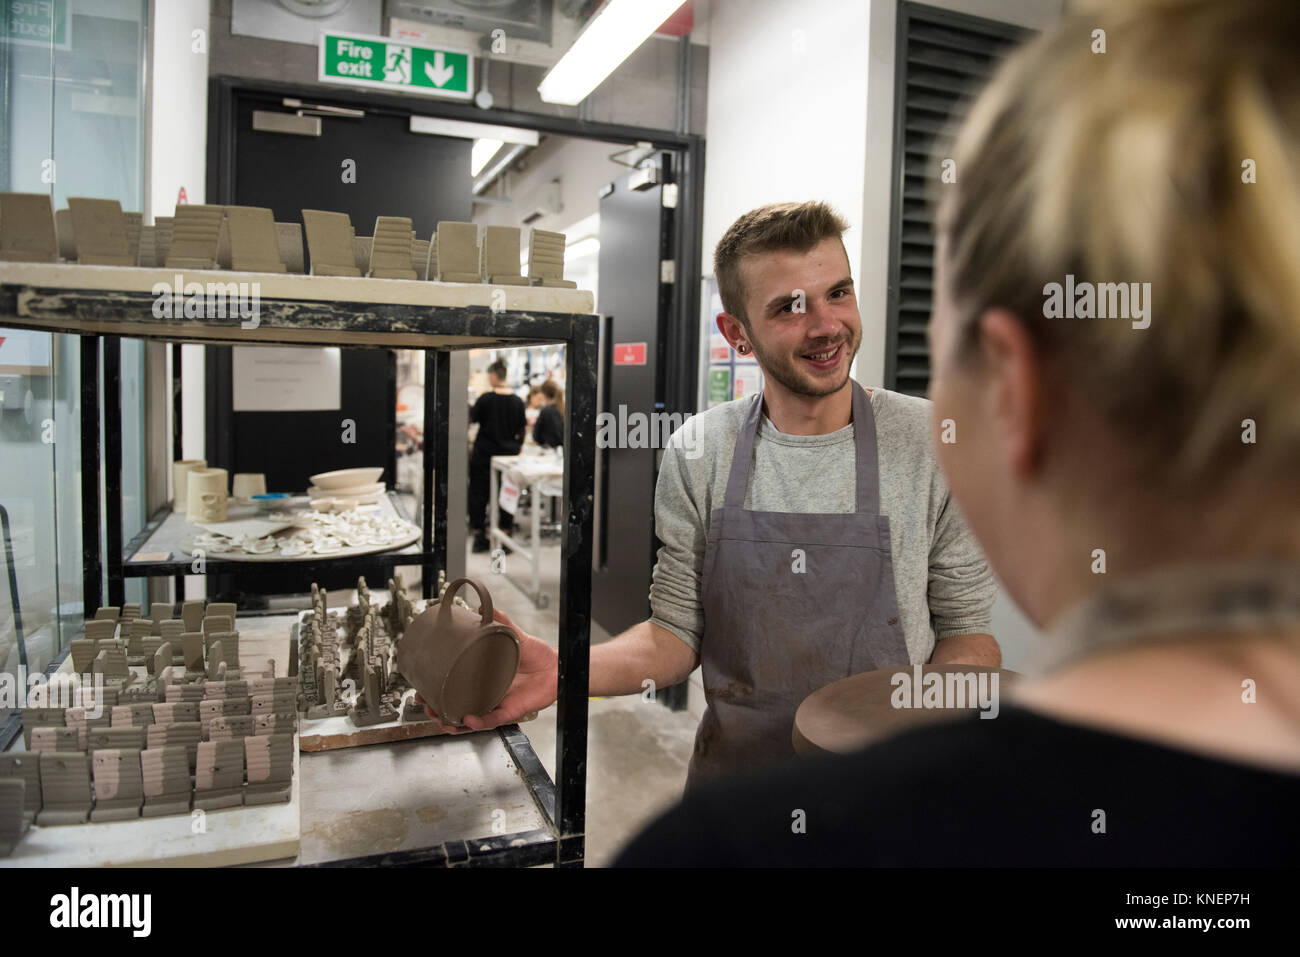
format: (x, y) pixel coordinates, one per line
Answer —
(461, 662)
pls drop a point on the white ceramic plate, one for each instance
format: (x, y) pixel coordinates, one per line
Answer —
(345, 477)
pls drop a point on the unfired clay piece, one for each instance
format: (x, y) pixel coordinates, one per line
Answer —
(192, 647)
(458, 256)
(27, 768)
(39, 718)
(219, 775)
(390, 249)
(67, 238)
(192, 614)
(501, 256)
(329, 243)
(65, 789)
(12, 822)
(27, 232)
(361, 252)
(184, 734)
(159, 612)
(53, 739)
(99, 227)
(196, 233)
(101, 628)
(119, 788)
(134, 225)
(420, 258)
(165, 780)
(269, 760)
(288, 237)
(461, 662)
(546, 259)
(148, 253)
(164, 226)
(254, 244)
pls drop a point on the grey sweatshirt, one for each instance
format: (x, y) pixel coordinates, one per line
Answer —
(943, 584)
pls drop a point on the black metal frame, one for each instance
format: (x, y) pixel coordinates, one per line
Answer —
(681, 383)
(390, 326)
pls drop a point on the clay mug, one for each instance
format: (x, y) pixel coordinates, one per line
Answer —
(181, 481)
(207, 495)
(461, 662)
(247, 484)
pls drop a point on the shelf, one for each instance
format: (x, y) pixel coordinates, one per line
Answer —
(292, 309)
(169, 532)
(427, 802)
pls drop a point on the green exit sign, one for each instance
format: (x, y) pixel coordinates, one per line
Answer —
(37, 22)
(391, 64)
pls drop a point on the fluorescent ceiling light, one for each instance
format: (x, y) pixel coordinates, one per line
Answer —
(482, 151)
(588, 246)
(610, 38)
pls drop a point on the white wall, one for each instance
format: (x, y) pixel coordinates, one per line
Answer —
(787, 111)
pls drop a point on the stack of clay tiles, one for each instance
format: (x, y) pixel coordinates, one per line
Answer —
(178, 741)
(248, 239)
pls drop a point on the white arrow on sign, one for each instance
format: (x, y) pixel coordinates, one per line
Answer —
(438, 72)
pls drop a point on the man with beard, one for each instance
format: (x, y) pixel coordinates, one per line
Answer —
(807, 532)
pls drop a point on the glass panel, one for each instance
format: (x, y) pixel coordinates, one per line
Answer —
(71, 84)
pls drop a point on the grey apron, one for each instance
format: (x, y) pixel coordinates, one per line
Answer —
(774, 635)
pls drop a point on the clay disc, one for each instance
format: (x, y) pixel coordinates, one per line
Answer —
(853, 712)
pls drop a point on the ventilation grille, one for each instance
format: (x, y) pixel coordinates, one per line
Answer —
(943, 59)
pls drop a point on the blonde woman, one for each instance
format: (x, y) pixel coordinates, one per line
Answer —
(1132, 471)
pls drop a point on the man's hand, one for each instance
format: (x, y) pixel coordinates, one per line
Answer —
(533, 689)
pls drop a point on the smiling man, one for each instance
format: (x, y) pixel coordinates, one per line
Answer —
(812, 536)
(807, 533)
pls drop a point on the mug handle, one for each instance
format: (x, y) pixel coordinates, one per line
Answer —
(484, 600)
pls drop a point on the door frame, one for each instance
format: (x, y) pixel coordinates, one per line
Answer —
(680, 386)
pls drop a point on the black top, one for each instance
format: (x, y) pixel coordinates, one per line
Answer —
(501, 424)
(549, 428)
(1018, 790)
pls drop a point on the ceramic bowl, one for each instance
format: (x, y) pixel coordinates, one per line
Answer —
(374, 488)
(342, 478)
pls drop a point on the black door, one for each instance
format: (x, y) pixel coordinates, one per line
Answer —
(365, 167)
(636, 230)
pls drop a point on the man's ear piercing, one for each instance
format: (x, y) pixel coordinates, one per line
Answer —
(742, 349)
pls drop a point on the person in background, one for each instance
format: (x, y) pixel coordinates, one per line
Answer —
(501, 425)
(548, 432)
(1133, 478)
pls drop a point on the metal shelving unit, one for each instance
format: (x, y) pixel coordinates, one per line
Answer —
(102, 303)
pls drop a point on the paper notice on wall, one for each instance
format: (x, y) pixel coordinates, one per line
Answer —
(285, 379)
(719, 385)
(749, 381)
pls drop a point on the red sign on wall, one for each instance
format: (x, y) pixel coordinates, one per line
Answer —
(629, 353)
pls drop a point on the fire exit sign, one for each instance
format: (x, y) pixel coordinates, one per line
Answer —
(391, 64)
(36, 22)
